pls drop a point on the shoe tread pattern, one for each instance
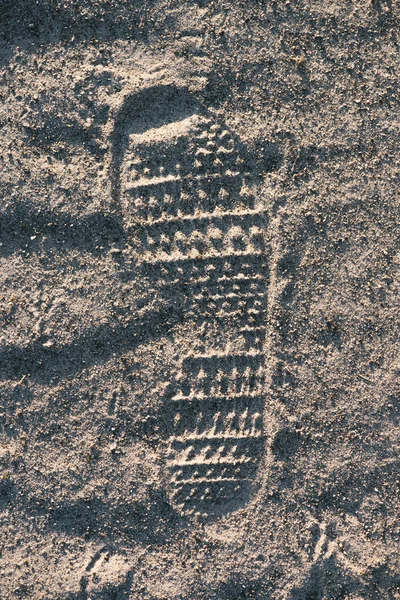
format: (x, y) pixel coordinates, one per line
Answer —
(199, 234)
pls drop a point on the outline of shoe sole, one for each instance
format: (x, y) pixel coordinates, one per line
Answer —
(180, 180)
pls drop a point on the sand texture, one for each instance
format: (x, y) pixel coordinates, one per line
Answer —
(199, 300)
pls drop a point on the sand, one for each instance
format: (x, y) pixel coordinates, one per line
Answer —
(199, 299)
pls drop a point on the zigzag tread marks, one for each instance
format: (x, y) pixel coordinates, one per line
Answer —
(217, 441)
(216, 418)
(204, 269)
(220, 452)
(206, 497)
(202, 399)
(198, 248)
(209, 472)
(168, 197)
(230, 303)
(201, 237)
(217, 446)
(208, 168)
(199, 465)
(242, 386)
(201, 220)
(223, 362)
(220, 378)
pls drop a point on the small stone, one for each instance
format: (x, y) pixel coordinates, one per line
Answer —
(48, 344)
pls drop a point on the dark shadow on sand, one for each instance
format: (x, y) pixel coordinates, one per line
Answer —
(51, 230)
(121, 591)
(92, 347)
(147, 523)
(45, 22)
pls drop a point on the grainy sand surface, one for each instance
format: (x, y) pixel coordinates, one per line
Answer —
(199, 300)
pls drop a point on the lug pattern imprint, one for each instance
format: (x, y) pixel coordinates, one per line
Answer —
(184, 194)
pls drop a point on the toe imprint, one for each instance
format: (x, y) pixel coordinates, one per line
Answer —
(181, 183)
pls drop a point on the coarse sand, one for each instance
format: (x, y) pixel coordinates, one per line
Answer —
(199, 300)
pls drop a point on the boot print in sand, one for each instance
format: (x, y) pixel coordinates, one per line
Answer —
(181, 181)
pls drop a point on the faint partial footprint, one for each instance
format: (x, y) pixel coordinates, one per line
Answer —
(182, 182)
(107, 577)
